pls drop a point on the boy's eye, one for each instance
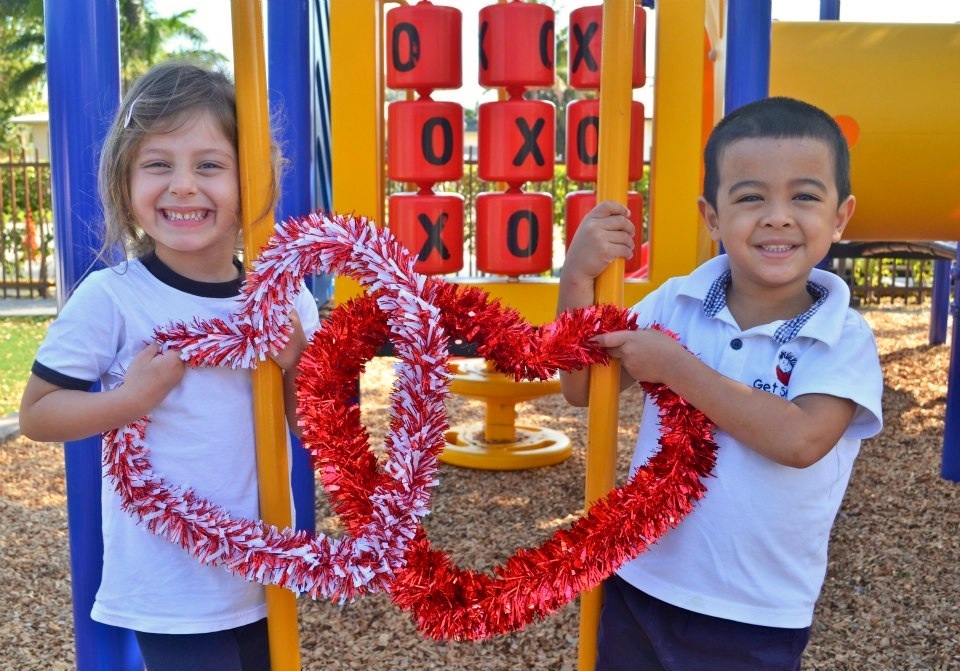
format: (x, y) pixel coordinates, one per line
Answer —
(209, 165)
(807, 197)
(748, 198)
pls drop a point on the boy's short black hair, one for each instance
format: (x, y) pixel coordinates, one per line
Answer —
(775, 117)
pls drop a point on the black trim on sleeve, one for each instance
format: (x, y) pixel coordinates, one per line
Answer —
(59, 379)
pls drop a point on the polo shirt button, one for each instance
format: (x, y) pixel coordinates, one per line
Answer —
(736, 343)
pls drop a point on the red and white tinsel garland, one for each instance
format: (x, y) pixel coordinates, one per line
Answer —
(384, 547)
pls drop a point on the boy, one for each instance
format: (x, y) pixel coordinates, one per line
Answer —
(787, 372)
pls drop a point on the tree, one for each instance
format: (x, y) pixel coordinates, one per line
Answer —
(145, 39)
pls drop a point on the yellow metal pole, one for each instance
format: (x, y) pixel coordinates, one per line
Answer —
(255, 192)
(612, 184)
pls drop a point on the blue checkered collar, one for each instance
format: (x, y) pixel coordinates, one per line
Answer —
(714, 276)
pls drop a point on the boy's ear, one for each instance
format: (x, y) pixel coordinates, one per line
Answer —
(844, 213)
(709, 216)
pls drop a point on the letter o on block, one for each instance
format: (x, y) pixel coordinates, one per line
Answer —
(424, 48)
(424, 141)
(583, 140)
(514, 233)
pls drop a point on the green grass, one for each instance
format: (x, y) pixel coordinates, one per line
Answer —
(19, 339)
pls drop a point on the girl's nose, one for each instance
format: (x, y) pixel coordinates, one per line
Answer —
(182, 183)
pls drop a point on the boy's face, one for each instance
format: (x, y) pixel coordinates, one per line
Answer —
(777, 211)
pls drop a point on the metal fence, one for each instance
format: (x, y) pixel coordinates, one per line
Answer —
(27, 234)
(26, 227)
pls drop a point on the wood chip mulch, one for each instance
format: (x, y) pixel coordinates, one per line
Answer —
(891, 601)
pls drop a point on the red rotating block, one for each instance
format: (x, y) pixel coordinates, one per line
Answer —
(517, 141)
(517, 46)
(514, 233)
(424, 141)
(583, 139)
(579, 203)
(586, 36)
(430, 225)
(424, 47)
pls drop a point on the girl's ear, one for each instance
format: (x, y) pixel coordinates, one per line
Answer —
(709, 215)
(844, 213)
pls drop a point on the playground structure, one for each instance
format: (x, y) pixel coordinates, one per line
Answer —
(711, 56)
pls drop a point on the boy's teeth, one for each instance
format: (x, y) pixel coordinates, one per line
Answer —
(778, 248)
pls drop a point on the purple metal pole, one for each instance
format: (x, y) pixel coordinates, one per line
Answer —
(288, 63)
(951, 425)
(829, 10)
(748, 52)
(940, 301)
(83, 75)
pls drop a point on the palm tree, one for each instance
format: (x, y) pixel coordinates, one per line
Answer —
(145, 39)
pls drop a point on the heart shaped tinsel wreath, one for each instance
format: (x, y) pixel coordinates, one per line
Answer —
(385, 548)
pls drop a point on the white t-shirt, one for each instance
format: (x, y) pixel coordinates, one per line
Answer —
(200, 436)
(754, 549)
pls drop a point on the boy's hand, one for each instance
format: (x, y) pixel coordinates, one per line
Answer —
(289, 356)
(604, 234)
(151, 376)
(646, 355)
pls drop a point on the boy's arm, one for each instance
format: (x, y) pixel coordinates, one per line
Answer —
(49, 413)
(604, 234)
(795, 433)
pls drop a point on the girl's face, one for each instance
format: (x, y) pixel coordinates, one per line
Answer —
(185, 190)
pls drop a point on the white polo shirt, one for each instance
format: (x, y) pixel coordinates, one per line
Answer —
(754, 549)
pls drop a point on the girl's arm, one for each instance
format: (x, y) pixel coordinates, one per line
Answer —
(49, 413)
(795, 433)
(287, 359)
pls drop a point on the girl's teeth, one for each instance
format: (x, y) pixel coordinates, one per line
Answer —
(179, 216)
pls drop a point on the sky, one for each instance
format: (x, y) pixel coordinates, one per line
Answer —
(210, 15)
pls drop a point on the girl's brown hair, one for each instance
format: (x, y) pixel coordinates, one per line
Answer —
(161, 101)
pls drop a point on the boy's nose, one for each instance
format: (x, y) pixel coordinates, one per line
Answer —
(778, 215)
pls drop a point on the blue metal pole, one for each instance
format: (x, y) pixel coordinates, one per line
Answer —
(83, 75)
(748, 52)
(829, 10)
(940, 301)
(288, 73)
(951, 426)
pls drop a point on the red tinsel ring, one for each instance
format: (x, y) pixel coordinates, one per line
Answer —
(452, 603)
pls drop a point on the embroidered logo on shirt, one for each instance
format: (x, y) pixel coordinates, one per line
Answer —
(785, 364)
(786, 361)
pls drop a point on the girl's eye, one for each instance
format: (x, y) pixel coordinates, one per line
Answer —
(156, 164)
(208, 165)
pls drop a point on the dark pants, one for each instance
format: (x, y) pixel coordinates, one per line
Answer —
(245, 648)
(640, 633)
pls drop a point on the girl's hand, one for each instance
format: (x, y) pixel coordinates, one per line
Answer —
(289, 356)
(152, 375)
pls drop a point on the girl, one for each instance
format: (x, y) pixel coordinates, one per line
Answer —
(170, 188)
